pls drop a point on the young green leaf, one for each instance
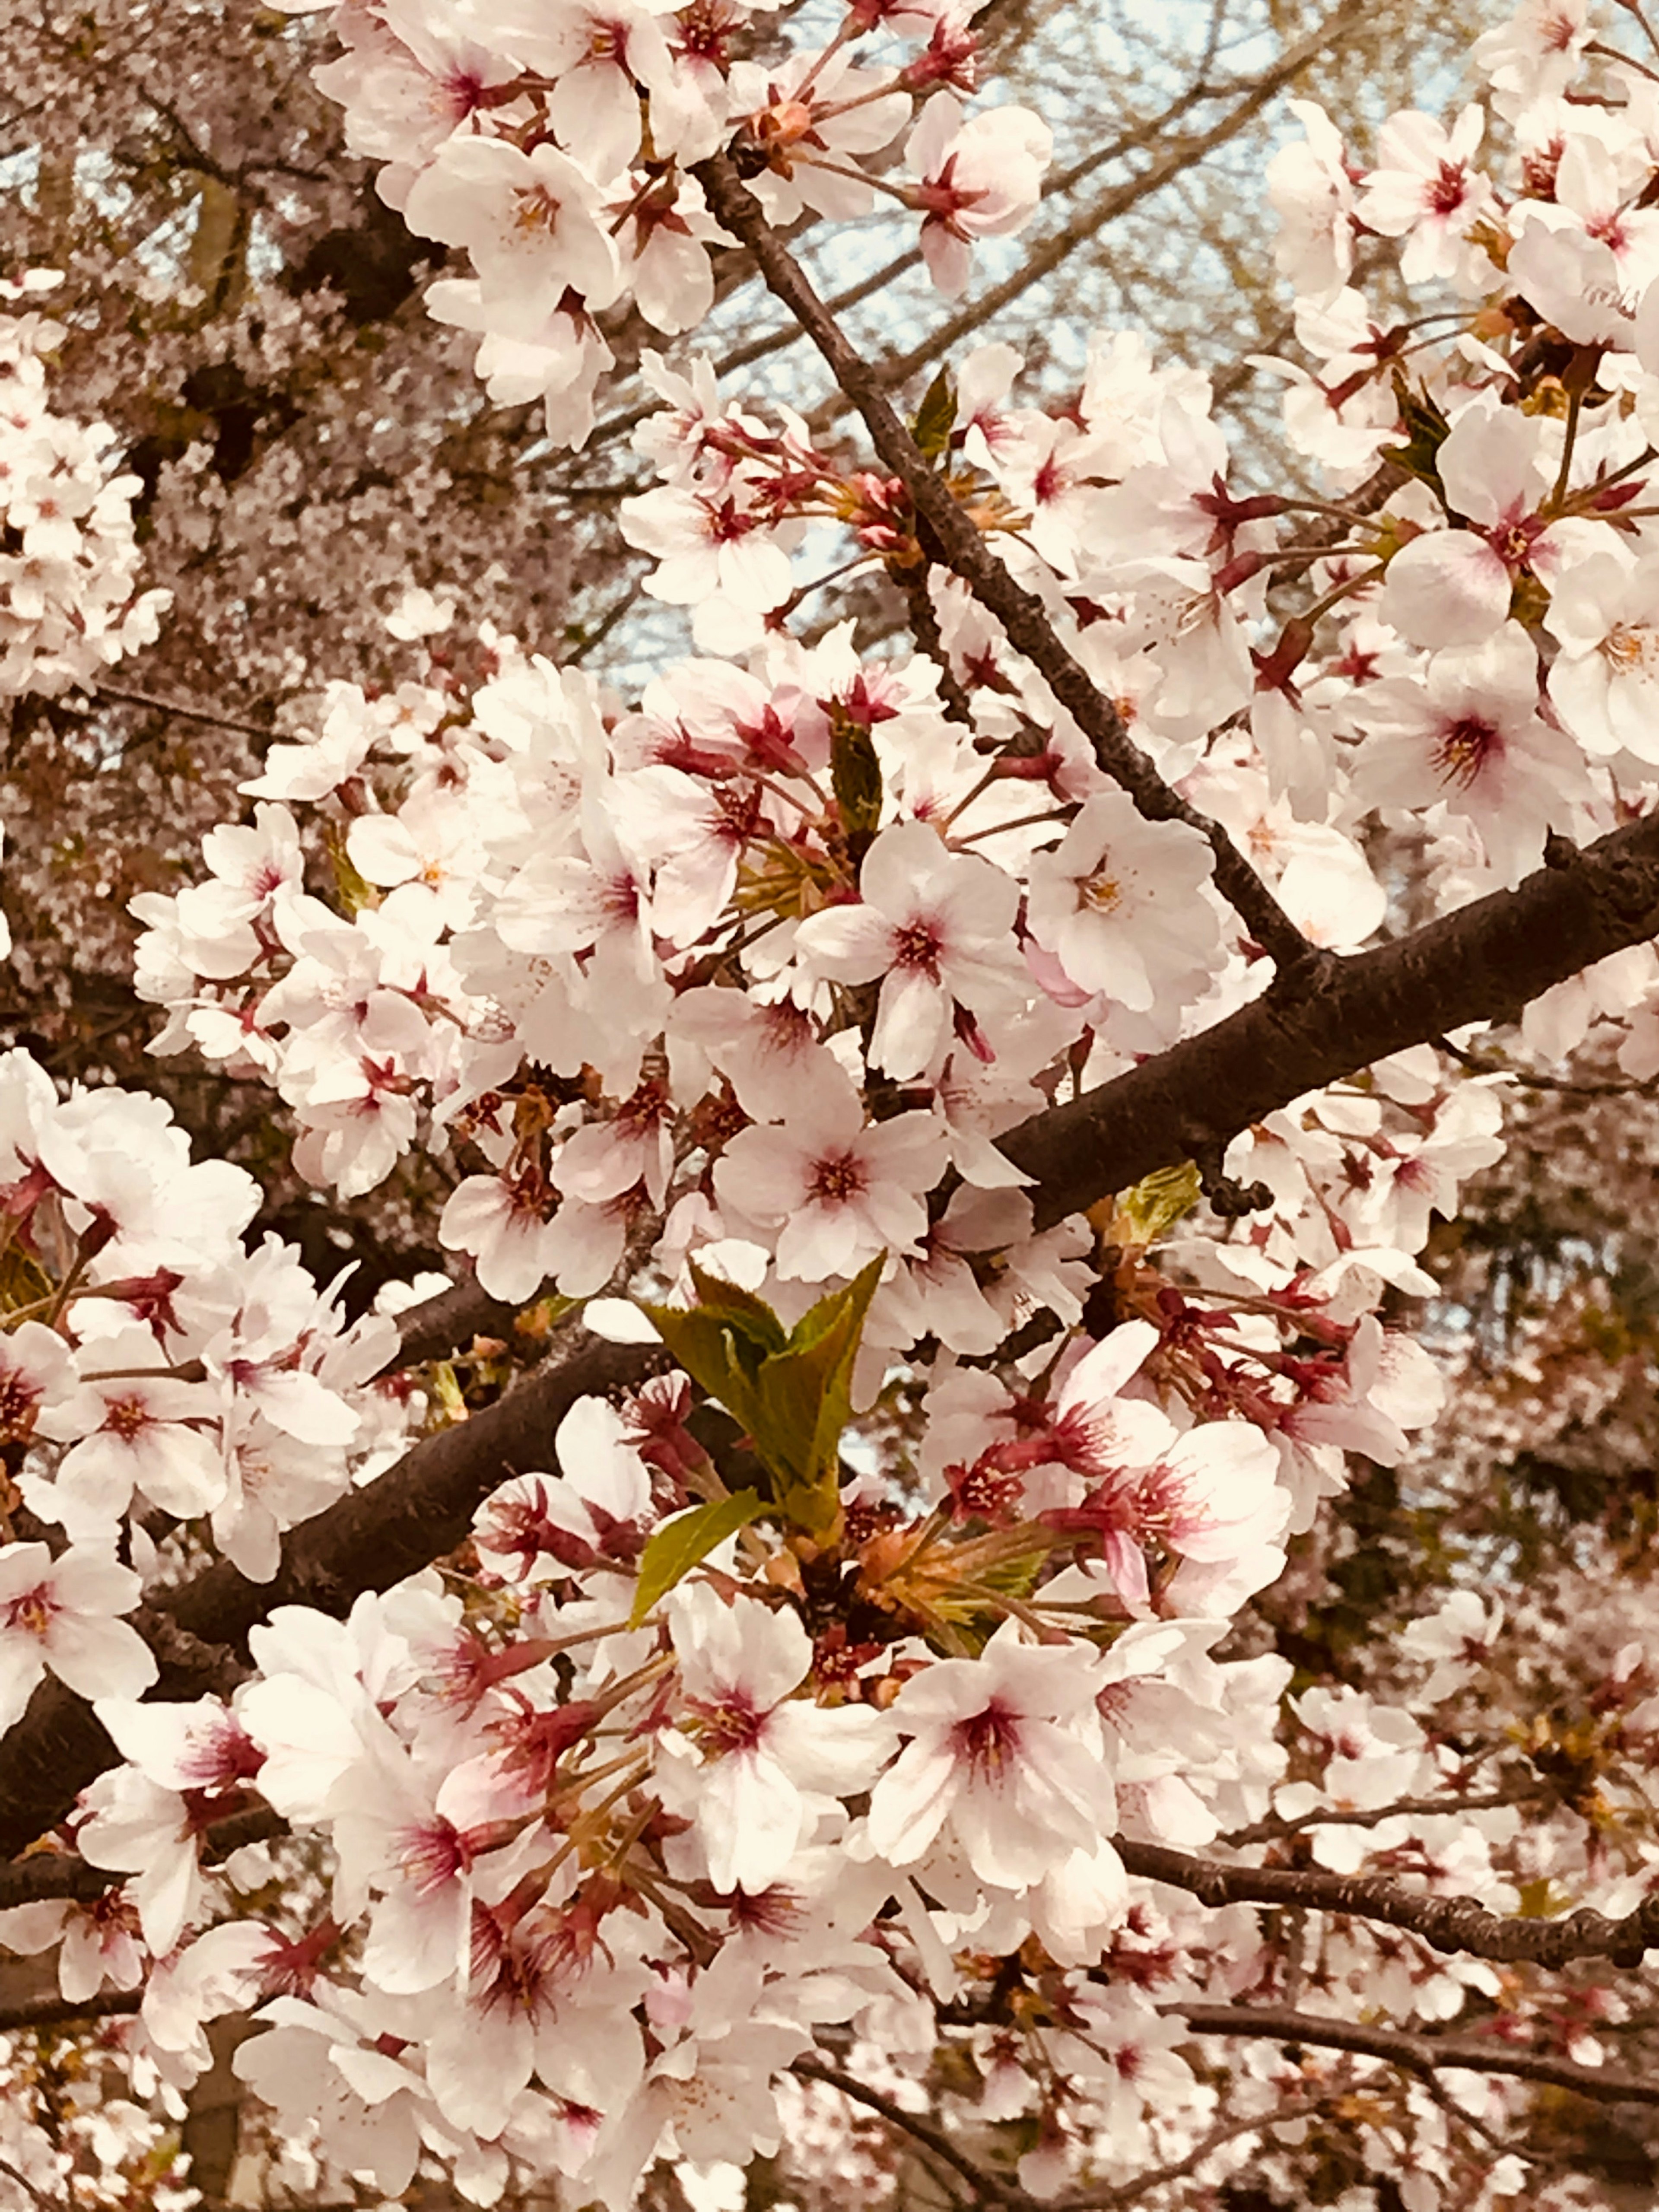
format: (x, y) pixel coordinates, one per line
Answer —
(684, 1541)
(936, 418)
(792, 1393)
(1158, 1202)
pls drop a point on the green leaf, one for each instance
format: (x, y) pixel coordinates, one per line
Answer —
(756, 1329)
(856, 778)
(807, 1394)
(936, 418)
(688, 1538)
(1426, 431)
(1159, 1200)
(792, 1393)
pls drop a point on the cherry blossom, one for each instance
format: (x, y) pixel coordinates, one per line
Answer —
(934, 925)
(1004, 1749)
(1470, 736)
(978, 177)
(61, 1615)
(1093, 901)
(833, 1188)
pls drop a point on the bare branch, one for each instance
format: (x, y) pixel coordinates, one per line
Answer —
(923, 2131)
(1417, 2054)
(1445, 1923)
(209, 714)
(1482, 1063)
(443, 1323)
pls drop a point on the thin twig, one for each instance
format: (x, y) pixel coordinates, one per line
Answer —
(932, 2138)
(947, 534)
(1417, 2054)
(218, 721)
(1126, 2192)
(1532, 1080)
(1349, 1816)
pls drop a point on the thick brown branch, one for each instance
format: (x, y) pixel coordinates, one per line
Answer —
(1417, 2054)
(441, 1324)
(66, 2012)
(949, 535)
(1483, 963)
(1445, 1923)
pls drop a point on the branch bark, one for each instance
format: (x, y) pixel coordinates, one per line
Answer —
(1482, 962)
(1417, 2054)
(1445, 1923)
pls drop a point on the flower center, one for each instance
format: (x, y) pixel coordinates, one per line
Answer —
(732, 1724)
(1464, 749)
(537, 209)
(987, 1740)
(1625, 648)
(18, 1400)
(1448, 190)
(918, 945)
(31, 1611)
(837, 1180)
(126, 1418)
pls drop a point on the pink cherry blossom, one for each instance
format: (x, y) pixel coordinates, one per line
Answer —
(834, 1188)
(1005, 1750)
(61, 1615)
(980, 177)
(936, 928)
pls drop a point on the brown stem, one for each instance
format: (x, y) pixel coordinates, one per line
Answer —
(1445, 1923)
(921, 2130)
(948, 535)
(1417, 2054)
(1482, 962)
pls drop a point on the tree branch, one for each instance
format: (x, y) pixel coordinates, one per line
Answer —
(947, 534)
(1126, 2192)
(451, 1318)
(1275, 1828)
(1417, 2054)
(44, 1874)
(66, 2012)
(1445, 1923)
(1482, 962)
(922, 2130)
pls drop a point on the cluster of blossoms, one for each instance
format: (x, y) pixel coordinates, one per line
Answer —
(740, 995)
(559, 149)
(153, 1365)
(70, 607)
